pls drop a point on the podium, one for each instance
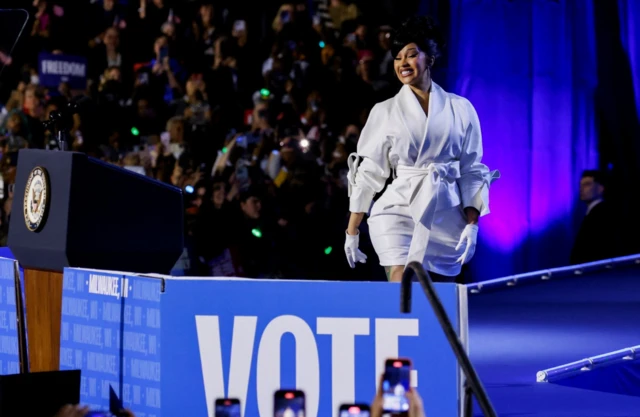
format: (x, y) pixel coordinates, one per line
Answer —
(201, 338)
(71, 210)
(38, 394)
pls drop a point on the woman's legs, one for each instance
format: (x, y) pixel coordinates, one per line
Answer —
(395, 272)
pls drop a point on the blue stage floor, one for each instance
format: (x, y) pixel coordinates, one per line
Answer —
(516, 331)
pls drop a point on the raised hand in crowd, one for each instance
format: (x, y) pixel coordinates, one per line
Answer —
(416, 407)
(82, 411)
(73, 411)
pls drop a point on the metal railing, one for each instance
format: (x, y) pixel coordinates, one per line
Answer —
(473, 386)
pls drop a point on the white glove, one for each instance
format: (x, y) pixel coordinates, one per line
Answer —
(351, 250)
(469, 237)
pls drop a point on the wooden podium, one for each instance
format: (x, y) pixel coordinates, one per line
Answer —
(70, 210)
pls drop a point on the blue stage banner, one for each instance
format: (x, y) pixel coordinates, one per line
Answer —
(9, 355)
(55, 69)
(247, 338)
(111, 331)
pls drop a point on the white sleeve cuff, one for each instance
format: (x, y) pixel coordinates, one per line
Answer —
(480, 199)
(360, 199)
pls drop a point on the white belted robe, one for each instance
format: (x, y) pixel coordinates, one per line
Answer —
(436, 163)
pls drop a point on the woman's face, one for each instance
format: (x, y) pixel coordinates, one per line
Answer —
(191, 87)
(114, 75)
(176, 130)
(111, 38)
(410, 64)
(218, 194)
(169, 29)
(30, 99)
(206, 13)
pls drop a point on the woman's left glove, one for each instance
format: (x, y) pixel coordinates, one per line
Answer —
(469, 238)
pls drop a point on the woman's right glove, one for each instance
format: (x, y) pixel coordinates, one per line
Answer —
(351, 250)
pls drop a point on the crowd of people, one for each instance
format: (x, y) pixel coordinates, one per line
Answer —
(253, 121)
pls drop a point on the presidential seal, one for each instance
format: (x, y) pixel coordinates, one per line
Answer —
(36, 198)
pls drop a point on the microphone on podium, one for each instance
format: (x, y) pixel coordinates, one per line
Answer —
(61, 121)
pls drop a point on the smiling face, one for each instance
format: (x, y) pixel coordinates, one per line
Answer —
(411, 65)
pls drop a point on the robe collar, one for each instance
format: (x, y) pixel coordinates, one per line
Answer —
(412, 115)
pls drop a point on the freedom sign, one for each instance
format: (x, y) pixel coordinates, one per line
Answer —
(56, 69)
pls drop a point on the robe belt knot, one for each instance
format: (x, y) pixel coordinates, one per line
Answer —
(425, 189)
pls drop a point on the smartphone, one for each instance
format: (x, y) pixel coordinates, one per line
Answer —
(395, 384)
(143, 78)
(288, 403)
(285, 16)
(241, 141)
(227, 407)
(242, 175)
(164, 52)
(354, 410)
(239, 26)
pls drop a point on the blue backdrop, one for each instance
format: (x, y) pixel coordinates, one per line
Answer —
(629, 15)
(529, 69)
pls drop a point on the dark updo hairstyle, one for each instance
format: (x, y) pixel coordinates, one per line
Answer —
(421, 30)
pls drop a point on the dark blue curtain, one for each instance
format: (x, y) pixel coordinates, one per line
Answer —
(529, 68)
(617, 106)
(629, 16)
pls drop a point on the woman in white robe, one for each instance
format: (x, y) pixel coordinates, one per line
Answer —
(430, 141)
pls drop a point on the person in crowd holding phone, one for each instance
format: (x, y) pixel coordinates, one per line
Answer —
(430, 140)
(166, 70)
(416, 407)
(395, 395)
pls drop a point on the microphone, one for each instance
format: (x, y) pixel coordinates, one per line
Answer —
(62, 120)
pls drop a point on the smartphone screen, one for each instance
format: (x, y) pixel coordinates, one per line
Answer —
(239, 25)
(143, 78)
(164, 52)
(227, 407)
(395, 384)
(288, 404)
(354, 410)
(285, 16)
